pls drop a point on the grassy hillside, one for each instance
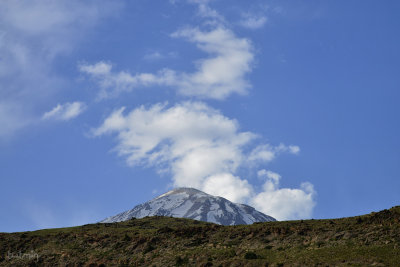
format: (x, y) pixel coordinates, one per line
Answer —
(372, 239)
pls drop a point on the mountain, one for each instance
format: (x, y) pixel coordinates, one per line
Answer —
(194, 204)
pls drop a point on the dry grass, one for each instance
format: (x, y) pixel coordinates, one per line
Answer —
(370, 240)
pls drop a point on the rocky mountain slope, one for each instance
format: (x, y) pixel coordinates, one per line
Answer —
(194, 204)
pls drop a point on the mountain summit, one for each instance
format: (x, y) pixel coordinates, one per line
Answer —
(194, 204)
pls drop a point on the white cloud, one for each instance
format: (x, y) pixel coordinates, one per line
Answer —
(266, 153)
(228, 186)
(294, 149)
(194, 140)
(156, 55)
(224, 73)
(199, 146)
(101, 68)
(252, 21)
(206, 12)
(218, 76)
(33, 33)
(275, 177)
(262, 153)
(65, 111)
(113, 83)
(284, 203)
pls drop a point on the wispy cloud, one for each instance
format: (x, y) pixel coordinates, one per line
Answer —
(33, 33)
(65, 111)
(205, 11)
(112, 84)
(265, 152)
(216, 77)
(153, 56)
(157, 55)
(253, 21)
(198, 145)
(224, 73)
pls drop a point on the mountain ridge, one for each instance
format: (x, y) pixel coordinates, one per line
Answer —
(191, 203)
(367, 240)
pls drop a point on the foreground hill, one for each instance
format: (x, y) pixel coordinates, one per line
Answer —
(369, 240)
(194, 204)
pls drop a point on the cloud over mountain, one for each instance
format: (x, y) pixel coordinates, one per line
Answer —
(201, 148)
(190, 140)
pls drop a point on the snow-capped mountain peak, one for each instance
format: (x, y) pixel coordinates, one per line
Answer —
(194, 204)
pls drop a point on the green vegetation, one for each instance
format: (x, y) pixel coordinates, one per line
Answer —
(369, 240)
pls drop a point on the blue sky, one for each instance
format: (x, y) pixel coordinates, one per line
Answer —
(291, 107)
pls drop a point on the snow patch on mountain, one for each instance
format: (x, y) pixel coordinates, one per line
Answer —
(194, 204)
